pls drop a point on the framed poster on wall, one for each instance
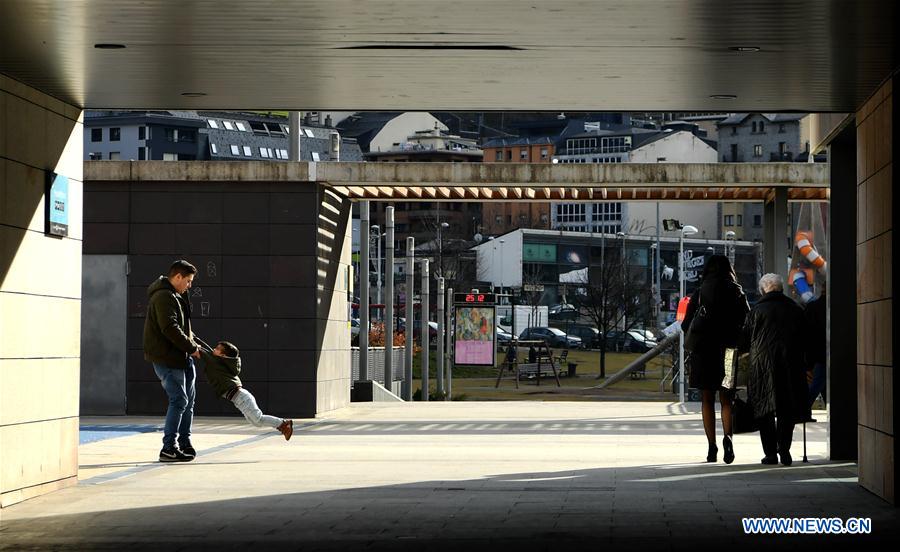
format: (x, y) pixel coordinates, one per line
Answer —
(475, 334)
(56, 205)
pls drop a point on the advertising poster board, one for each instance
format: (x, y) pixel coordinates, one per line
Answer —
(56, 202)
(475, 334)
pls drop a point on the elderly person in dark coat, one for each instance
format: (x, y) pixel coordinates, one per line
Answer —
(775, 334)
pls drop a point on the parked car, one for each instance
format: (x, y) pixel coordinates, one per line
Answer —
(632, 341)
(590, 337)
(503, 336)
(563, 312)
(553, 336)
(417, 328)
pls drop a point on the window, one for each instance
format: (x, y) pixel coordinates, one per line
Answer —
(170, 157)
(544, 153)
(264, 152)
(570, 212)
(212, 124)
(762, 126)
(498, 155)
(114, 156)
(284, 153)
(275, 129)
(241, 126)
(734, 131)
(757, 220)
(754, 126)
(96, 135)
(309, 133)
(96, 156)
(315, 156)
(248, 152)
(740, 220)
(509, 155)
(213, 148)
(115, 134)
(523, 154)
(187, 136)
(729, 220)
(142, 154)
(782, 148)
(660, 159)
(757, 150)
(171, 135)
(235, 150)
(228, 124)
(142, 133)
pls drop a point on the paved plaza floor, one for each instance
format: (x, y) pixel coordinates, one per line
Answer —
(443, 476)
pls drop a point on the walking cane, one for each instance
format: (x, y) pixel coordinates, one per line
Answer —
(805, 460)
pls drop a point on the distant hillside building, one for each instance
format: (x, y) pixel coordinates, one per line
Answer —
(204, 135)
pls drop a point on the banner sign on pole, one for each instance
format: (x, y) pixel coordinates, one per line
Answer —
(475, 334)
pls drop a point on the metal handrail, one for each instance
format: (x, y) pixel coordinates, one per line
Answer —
(639, 362)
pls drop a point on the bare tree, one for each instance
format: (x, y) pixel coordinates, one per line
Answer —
(612, 299)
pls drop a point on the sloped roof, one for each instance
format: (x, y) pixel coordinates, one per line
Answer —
(738, 118)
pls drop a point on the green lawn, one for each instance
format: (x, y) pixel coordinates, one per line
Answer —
(477, 383)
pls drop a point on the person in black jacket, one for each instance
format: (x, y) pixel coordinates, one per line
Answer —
(169, 345)
(775, 334)
(815, 314)
(725, 304)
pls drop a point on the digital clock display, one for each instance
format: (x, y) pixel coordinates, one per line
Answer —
(474, 298)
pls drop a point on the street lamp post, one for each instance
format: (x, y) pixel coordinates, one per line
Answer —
(440, 267)
(376, 234)
(624, 284)
(729, 246)
(685, 231)
(502, 241)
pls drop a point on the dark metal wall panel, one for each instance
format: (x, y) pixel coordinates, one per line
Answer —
(255, 248)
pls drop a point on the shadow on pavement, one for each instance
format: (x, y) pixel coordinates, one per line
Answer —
(668, 507)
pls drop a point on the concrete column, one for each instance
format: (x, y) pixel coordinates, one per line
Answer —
(424, 332)
(440, 335)
(389, 299)
(877, 122)
(841, 257)
(768, 237)
(776, 234)
(40, 293)
(363, 290)
(294, 137)
(408, 333)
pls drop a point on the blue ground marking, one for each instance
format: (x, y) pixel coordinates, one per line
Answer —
(94, 433)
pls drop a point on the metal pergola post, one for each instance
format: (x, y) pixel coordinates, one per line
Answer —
(389, 300)
(408, 332)
(363, 290)
(423, 333)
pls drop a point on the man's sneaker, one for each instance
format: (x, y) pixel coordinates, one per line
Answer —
(172, 454)
(188, 450)
(287, 429)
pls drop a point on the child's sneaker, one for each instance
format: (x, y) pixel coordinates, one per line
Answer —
(287, 429)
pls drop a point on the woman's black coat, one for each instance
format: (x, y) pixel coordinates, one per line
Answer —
(726, 307)
(775, 334)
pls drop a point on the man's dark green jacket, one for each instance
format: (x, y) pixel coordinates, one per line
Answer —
(221, 372)
(168, 339)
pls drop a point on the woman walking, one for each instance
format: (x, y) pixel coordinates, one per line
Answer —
(724, 307)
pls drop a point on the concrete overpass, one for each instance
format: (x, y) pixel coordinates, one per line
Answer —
(59, 57)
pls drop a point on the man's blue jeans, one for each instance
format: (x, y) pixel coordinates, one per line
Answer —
(179, 386)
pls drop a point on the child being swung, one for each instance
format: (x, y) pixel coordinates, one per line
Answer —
(222, 364)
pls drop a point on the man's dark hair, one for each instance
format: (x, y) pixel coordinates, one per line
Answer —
(229, 349)
(182, 267)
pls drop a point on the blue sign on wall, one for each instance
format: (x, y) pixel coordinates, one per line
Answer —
(57, 205)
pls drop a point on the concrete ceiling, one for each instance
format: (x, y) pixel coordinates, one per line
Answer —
(630, 55)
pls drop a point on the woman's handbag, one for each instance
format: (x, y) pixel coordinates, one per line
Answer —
(742, 417)
(700, 325)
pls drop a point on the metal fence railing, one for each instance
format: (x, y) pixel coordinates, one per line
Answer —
(376, 364)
